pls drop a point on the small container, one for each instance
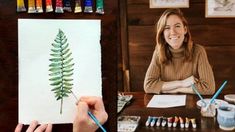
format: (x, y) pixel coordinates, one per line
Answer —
(230, 98)
(226, 117)
(208, 111)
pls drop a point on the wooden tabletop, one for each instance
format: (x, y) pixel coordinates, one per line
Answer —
(138, 104)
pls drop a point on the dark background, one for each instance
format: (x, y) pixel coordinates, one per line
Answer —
(9, 59)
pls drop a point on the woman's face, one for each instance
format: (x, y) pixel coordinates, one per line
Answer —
(174, 31)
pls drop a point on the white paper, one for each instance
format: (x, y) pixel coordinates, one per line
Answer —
(35, 36)
(167, 101)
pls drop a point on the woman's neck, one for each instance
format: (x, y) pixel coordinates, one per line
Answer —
(177, 52)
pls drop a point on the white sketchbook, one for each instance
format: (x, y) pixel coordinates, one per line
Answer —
(167, 101)
(35, 38)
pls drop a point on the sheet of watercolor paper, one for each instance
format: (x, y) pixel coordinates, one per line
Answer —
(167, 101)
(36, 38)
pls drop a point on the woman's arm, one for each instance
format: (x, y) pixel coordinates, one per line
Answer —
(206, 83)
(152, 80)
(180, 86)
(187, 90)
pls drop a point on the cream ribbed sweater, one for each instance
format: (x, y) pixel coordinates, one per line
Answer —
(199, 67)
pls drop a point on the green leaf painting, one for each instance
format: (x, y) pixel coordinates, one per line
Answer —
(61, 68)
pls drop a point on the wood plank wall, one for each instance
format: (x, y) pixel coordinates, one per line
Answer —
(216, 34)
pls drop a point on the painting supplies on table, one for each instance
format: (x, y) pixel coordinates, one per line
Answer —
(193, 121)
(230, 98)
(217, 93)
(148, 121)
(186, 122)
(181, 122)
(158, 121)
(199, 95)
(176, 120)
(153, 122)
(123, 100)
(169, 121)
(162, 121)
(210, 109)
(218, 102)
(128, 123)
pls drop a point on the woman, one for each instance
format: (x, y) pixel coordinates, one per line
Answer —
(177, 62)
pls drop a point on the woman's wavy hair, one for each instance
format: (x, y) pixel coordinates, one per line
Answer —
(162, 47)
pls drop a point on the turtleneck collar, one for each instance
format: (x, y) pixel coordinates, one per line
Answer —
(177, 52)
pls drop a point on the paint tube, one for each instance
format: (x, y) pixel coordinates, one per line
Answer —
(49, 6)
(88, 6)
(59, 7)
(181, 122)
(67, 5)
(100, 6)
(193, 121)
(78, 7)
(169, 121)
(186, 122)
(20, 6)
(31, 6)
(175, 121)
(153, 121)
(39, 6)
(148, 121)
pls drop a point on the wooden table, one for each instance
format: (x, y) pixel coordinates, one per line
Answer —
(137, 107)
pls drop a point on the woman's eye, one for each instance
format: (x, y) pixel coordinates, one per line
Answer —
(178, 26)
(166, 28)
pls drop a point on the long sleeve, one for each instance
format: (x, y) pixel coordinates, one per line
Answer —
(152, 81)
(177, 70)
(206, 82)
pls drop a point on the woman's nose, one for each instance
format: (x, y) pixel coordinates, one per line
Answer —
(172, 31)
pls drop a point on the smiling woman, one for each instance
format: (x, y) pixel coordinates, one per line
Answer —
(177, 62)
(174, 32)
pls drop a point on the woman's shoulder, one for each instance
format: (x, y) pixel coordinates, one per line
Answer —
(155, 56)
(199, 48)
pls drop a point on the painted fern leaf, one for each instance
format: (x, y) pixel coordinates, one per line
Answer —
(61, 68)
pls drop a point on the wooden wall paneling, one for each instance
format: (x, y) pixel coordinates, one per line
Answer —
(141, 15)
(220, 58)
(124, 46)
(203, 34)
(9, 60)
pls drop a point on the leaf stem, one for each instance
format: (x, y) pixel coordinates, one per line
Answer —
(61, 104)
